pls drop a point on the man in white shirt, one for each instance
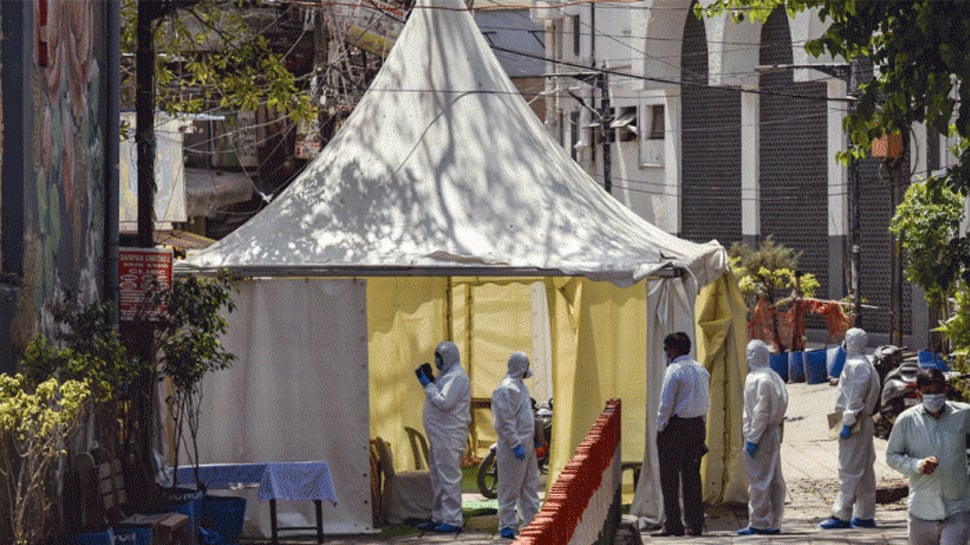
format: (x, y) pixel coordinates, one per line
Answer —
(928, 445)
(681, 432)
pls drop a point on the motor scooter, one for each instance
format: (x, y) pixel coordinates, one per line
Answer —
(886, 358)
(487, 477)
(898, 387)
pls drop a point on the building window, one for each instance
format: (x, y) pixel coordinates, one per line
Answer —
(932, 149)
(573, 133)
(576, 35)
(652, 135)
(656, 122)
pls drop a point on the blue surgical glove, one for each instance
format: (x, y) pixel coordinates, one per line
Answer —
(750, 448)
(846, 431)
(423, 379)
(519, 452)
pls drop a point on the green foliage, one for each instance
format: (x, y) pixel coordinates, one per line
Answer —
(918, 49)
(927, 225)
(101, 358)
(188, 337)
(209, 55)
(956, 328)
(769, 271)
(87, 348)
(35, 421)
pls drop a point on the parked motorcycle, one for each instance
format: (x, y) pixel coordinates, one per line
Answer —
(898, 373)
(487, 476)
(886, 358)
(898, 386)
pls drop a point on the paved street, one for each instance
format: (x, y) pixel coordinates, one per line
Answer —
(809, 460)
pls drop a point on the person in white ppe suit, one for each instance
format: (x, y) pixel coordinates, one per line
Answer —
(514, 421)
(858, 393)
(447, 413)
(927, 444)
(765, 403)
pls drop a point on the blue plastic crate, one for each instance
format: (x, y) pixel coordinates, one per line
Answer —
(133, 536)
(225, 515)
(106, 537)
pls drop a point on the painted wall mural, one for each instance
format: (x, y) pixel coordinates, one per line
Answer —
(64, 231)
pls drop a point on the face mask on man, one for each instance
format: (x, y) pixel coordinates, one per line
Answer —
(934, 402)
(438, 362)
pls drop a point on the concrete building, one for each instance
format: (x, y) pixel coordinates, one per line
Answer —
(728, 131)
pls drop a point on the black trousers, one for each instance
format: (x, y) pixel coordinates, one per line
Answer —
(680, 447)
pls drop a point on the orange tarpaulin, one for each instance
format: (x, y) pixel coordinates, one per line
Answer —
(783, 325)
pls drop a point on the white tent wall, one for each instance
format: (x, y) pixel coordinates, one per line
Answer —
(317, 375)
(297, 392)
(540, 359)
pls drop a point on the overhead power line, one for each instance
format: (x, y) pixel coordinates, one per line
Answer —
(582, 68)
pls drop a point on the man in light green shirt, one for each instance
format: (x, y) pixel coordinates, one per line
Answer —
(928, 445)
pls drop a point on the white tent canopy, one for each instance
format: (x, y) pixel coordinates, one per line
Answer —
(443, 171)
(443, 168)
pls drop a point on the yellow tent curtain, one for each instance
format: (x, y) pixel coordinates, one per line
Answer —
(598, 348)
(722, 334)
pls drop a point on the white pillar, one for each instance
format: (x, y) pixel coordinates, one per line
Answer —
(750, 166)
(838, 187)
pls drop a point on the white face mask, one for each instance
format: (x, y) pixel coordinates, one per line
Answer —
(934, 402)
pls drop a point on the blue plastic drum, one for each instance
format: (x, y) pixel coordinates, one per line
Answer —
(779, 364)
(815, 366)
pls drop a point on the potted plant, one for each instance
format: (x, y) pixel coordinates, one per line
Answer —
(101, 359)
(187, 335)
(769, 276)
(775, 290)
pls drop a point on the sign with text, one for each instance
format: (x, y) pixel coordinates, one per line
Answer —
(142, 272)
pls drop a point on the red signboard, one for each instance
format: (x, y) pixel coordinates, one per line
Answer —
(142, 272)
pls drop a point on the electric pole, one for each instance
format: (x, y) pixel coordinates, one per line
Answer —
(606, 118)
(606, 112)
(895, 171)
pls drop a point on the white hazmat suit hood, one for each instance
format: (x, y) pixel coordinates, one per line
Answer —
(449, 354)
(518, 366)
(756, 354)
(856, 341)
